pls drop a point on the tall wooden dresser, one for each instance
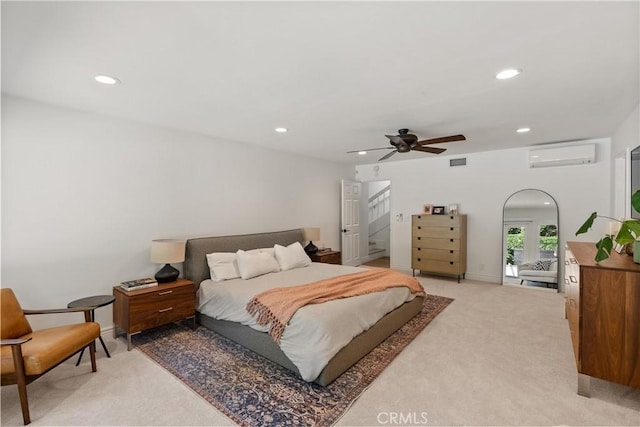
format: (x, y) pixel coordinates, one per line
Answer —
(439, 244)
(603, 310)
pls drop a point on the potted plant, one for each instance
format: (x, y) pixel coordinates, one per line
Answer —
(629, 232)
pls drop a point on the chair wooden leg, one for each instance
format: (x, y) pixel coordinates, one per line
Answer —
(21, 381)
(92, 353)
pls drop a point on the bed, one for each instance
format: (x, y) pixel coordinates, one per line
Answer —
(196, 269)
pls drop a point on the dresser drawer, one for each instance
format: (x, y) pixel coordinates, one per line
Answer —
(438, 232)
(445, 267)
(418, 254)
(432, 243)
(436, 220)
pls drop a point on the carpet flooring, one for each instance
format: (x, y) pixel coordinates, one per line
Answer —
(254, 391)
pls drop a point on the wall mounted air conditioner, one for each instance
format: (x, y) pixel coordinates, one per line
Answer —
(562, 156)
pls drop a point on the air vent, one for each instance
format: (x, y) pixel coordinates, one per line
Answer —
(458, 162)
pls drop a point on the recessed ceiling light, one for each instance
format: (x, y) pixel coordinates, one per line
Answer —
(547, 203)
(508, 73)
(281, 130)
(106, 80)
(523, 130)
(362, 153)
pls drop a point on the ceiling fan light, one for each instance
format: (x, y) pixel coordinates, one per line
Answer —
(508, 73)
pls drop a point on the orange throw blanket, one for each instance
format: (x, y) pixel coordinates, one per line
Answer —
(277, 306)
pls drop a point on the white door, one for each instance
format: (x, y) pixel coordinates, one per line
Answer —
(351, 192)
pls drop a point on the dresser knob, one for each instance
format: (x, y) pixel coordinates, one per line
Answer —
(450, 252)
(419, 228)
(451, 262)
(419, 238)
(419, 259)
(451, 240)
(451, 229)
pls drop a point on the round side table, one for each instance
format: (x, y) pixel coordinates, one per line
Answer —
(93, 302)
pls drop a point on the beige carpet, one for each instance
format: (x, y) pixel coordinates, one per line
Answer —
(496, 356)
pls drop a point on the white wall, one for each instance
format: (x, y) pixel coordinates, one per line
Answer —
(481, 188)
(83, 196)
(624, 139)
(628, 134)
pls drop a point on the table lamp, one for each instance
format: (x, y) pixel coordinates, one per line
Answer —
(167, 251)
(310, 234)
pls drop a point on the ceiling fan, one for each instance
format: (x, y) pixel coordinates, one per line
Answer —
(405, 142)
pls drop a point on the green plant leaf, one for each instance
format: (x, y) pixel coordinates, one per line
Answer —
(624, 236)
(635, 201)
(587, 224)
(634, 227)
(605, 245)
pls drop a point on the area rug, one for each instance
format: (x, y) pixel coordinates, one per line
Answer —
(253, 391)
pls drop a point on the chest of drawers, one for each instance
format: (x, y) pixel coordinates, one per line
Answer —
(439, 244)
(603, 311)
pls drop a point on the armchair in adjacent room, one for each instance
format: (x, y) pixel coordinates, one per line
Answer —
(543, 270)
(28, 354)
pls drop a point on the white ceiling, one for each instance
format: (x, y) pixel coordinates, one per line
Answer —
(339, 75)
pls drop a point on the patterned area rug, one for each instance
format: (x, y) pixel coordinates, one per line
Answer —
(254, 391)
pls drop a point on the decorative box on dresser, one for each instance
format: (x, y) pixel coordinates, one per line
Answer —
(135, 311)
(439, 244)
(603, 310)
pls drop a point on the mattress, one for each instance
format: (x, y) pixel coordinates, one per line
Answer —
(316, 332)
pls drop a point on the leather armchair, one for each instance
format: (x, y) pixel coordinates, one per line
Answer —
(28, 354)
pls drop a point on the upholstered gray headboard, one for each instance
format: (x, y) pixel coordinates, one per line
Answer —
(195, 263)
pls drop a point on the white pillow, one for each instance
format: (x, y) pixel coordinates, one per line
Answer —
(223, 266)
(293, 256)
(270, 251)
(251, 264)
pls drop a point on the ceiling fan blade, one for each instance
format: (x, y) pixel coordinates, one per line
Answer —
(371, 149)
(432, 150)
(386, 156)
(451, 138)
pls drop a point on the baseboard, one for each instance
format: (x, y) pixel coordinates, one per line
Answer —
(107, 332)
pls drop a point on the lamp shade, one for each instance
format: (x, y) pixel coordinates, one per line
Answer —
(312, 233)
(167, 251)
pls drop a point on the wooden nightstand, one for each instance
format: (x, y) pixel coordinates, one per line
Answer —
(135, 311)
(327, 257)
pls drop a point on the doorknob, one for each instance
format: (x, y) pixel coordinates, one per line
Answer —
(344, 230)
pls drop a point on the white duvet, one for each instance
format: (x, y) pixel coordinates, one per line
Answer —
(316, 332)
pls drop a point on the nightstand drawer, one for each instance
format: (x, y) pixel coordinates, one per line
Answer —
(163, 314)
(161, 298)
(328, 257)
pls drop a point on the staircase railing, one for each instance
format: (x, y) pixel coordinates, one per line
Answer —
(379, 204)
